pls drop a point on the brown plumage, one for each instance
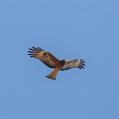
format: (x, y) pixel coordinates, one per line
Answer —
(51, 61)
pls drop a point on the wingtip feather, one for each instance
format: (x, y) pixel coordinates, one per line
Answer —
(82, 64)
(33, 51)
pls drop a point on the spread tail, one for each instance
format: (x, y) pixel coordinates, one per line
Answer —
(53, 74)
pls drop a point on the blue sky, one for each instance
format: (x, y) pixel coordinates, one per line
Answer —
(87, 29)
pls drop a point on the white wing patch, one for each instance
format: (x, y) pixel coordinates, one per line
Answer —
(71, 64)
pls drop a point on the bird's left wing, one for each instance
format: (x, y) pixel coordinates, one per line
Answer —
(76, 63)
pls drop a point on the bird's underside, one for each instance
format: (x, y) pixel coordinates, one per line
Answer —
(51, 61)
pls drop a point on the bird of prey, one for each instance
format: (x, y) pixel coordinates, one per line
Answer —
(51, 61)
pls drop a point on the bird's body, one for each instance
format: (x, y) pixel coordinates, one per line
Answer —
(51, 61)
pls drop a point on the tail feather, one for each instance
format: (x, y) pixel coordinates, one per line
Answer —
(53, 74)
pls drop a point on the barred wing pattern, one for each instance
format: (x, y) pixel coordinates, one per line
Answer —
(46, 57)
(75, 63)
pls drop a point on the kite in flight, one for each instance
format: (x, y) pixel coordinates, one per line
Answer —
(51, 61)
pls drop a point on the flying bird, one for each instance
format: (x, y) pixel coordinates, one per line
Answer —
(51, 61)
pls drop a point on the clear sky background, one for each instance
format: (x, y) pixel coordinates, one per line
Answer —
(87, 29)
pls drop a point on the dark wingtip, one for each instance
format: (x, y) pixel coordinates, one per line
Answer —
(32, 52)
(82, 64)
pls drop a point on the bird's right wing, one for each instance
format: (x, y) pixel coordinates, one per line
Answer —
(46, 57)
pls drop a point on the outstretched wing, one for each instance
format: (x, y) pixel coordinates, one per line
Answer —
(46, 57)
(76, 63)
